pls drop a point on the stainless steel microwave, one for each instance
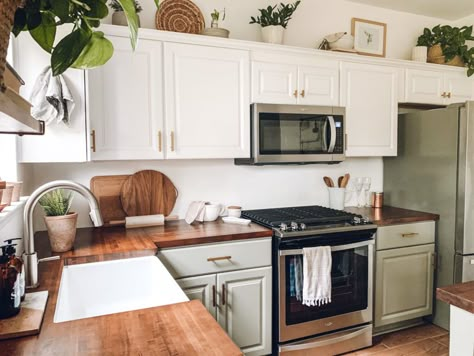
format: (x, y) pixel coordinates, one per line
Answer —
(296, 134)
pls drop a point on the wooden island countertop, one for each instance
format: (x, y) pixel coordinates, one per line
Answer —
(177, 329)
(460, 295)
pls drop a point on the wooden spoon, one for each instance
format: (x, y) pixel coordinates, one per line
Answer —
(345, 180)
(339, 181)
(328, 182)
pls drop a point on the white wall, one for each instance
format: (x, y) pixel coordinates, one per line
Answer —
(311, 22)
(220, 180)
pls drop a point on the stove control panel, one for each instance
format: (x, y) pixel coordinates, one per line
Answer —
(360, 221)
(294, 226)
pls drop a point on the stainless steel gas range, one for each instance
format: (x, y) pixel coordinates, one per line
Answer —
(343, 325)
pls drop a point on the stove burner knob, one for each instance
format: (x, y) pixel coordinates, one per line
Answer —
(302, 226)
(294, 226)
(365, 220)
(283, 227)
(356, 220)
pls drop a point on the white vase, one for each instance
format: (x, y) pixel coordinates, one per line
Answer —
(119, 18)
(419, 54)
(273, 34)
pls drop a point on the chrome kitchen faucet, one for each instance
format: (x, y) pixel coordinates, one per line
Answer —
(30, 257)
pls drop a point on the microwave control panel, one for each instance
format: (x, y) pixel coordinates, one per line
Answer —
(339, 147)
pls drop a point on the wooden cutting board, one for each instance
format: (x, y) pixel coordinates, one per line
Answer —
(107, 190)
(148, 193)
(28, 320)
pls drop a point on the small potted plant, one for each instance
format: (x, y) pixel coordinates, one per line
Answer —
(214, 30)
(274, 20)
(118, 17)
(61, 223)
(447, 45)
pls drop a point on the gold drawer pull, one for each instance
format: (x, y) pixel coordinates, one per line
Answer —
(222, 258)
(159, 141)
(410, 234)
(93, 140)
(172, 141)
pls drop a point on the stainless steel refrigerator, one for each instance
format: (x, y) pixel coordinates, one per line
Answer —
(434, 172)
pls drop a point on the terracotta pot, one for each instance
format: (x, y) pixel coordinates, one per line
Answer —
(435, 55)
(61, 231)
(273, 34)
(119, 18)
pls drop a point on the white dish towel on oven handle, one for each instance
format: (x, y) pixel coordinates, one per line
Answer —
(317, 264)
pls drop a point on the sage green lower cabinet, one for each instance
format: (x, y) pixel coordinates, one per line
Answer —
(404, 279)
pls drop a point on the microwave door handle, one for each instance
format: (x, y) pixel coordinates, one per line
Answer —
(332, 125)
(324, 141)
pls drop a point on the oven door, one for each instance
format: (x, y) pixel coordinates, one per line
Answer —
(351, 294)
(285, 134)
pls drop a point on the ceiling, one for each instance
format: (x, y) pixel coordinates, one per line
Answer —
(443, 9)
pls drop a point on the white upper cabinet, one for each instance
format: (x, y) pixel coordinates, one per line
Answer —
(436, 87)
(125, 103)
(61, 142)
(207, 101)
(274, 83)
(305, 84)
(370, 96)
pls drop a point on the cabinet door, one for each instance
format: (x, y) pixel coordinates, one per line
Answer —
(60, 143)
(125, 102)
(424, 87)
(274, 83)
(403, 284)
(207, 102)
(459, 87)
(319, 85)
(370, 95)
(201, 288)
(244, 310)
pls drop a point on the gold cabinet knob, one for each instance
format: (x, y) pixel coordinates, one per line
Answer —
(302, 93)
(449, 95)
(295, 93)
(444, 94)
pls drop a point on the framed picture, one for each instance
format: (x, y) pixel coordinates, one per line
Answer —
(369, 37)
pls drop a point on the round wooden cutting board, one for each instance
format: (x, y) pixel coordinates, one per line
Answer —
(148, 193)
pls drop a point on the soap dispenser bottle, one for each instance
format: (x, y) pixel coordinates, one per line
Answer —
(10, 295)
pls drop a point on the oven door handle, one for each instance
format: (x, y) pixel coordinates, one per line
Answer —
(333, 248)
(331, 341)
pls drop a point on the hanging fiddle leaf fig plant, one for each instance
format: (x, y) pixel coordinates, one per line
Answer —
(84, 47)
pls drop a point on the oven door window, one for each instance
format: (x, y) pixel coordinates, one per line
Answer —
(349, 277)
(293, 134)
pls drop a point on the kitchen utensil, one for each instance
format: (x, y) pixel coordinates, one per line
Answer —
(234, 220)
(107, 191)
(345, 180)
(179, 16)
(336, 198)
(16, 190)
(148, 193)
(329, 182)
(212, 211)
(234, 211)
(339, 181)
(144, 221)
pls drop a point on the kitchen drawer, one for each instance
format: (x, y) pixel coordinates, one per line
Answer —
(215, 258)
(405, 235)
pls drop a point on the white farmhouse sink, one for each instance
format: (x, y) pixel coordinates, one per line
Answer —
(102, 288)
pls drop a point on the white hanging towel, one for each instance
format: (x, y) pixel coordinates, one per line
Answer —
(51, 98)
(317, 263)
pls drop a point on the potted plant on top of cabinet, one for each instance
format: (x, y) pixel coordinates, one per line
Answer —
(274, 20)
(119, 17)
(61, 223)
(447, 45)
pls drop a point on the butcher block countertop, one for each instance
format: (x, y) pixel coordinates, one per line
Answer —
(177, 329)
(460, 295)
(389, 215)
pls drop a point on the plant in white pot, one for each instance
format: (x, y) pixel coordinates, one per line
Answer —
(119, 17)
(61, 223)
(274, 20)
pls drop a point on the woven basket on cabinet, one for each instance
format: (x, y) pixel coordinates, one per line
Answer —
(7, 13)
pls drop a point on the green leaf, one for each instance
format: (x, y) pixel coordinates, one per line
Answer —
(98, 9)
(19, 21)
(60, 9)
(33, 20)
(96, 53)
(68, 50)
(128, 7)
(157, 3)
(45, 33)
(470, 72)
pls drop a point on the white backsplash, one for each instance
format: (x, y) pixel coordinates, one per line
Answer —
(217, 180)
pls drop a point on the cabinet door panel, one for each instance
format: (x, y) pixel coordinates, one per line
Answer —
(207, 102)
(459, 86)
(125, 102)
(320, 85)
(246, 314)
(200, 288)
(274, 83)
(370, 95)
(404, 284)
(424, 87)
(61, 142)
